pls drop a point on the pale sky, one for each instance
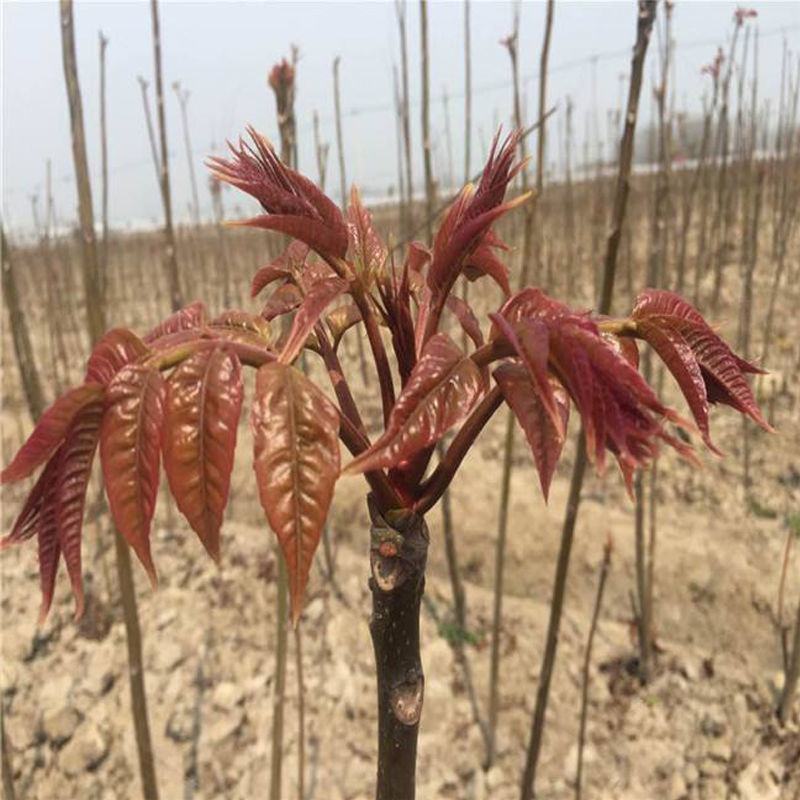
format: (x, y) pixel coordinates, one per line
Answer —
(222, 52)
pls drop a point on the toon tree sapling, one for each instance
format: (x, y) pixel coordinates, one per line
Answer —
(175, 397)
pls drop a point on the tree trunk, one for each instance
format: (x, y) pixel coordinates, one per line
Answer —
(398, 556)
(31, 385)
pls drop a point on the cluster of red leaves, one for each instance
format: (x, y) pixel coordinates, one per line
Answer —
(175, 397)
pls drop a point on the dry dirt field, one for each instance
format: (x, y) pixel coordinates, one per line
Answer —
(703, 729)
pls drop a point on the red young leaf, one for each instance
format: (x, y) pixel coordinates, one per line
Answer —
(467, 319)
(113, 351)
(545, 440)
(49, 550)
(677, 356)
(75, 468)
(484, 262)
(130, 441)
(50, 431)
(472, 215)
(28, 521)
(341, 319)
(625, 346)
(721, 369)
(319, 296)
(531, 341)
(202, 407)
(284, 266)
(187, 318)
(294, 205)
(367, 249)
(440, 393)
(295, 435)
(242, 326)
(619, 410)
(284, 299)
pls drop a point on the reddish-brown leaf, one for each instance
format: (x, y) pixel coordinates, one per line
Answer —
(284, 299)
(50, 431)
(721, 369)
(316, 234)
(484, 262)
(295, 435)
(467, 319)
(130, 444)
(319, 296)
(440, 393)
(116, 348)
(367, 249)
(201, 415)
(187, 318)
(49, 549)
(242, 326)
(75, 468)
(341, 319)
(545, 439)
(29, 518)
(294, 205)
(284, 266)
(531, 341)
(677, 356)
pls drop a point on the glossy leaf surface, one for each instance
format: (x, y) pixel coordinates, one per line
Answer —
(202, 408)
(75, 457)
(284, 266)
(296, 460)
(50, 431)
(544, 438)
(440, 392)
(319, 297)
(664, 317)
(187, 318)
(113, 351)
(130, 441)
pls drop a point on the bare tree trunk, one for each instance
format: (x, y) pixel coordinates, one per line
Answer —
(792, 674)
(95, 318)
(279, 691)
(301, 716)
(467, 95)
(397, 584)
(103, 272)
(339, 139)
(321, 151)
(183, 100)
(170, 253)
(587, 662)
(430, 190)
(29, 375)
(646, 12)
(400, 8)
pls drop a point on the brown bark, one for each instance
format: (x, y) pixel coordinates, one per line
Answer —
(646, 11)
(398, 557)
(170, 249)
(95, 318)
(430, 201)
(29, 375)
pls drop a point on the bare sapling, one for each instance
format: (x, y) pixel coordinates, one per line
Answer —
(175, 396)
(605, 566)
(77, 449)
(23, 350)
(170, 246)
(400, 9)
(183, 101)
(646, 12)
(103, 270)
